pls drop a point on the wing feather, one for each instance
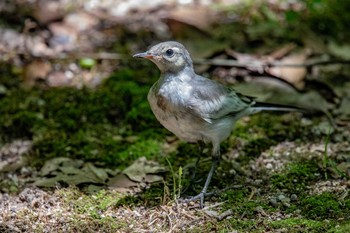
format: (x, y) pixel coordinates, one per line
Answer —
(212, 100)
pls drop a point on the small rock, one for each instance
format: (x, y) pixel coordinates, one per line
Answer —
(81, 21)
(225, 214)
(35, 203)
(269, 166)
(211, 213)
(281, 197)
(273, 202)
(286, 202)
(232, 172)
(258, 182)
(293, 197)
(58, 79)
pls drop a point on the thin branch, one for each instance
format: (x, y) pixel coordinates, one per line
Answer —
(234, 63)
(100, 56)
(199, 61)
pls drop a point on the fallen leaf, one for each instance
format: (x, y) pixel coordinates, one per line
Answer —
(281, 52)
(339, 50)
(54, 164)
(80, 21)
(344, 167)
(204, 17)
(71, 171)
(100, 173)
(46, 11)
(276, 91)
(141, 167)
(36, 70)
(121, 181)
(294, 75)
(149, 178)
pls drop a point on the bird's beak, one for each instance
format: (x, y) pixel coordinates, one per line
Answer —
(147, 55)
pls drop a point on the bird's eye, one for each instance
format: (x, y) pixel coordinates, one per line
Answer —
(169, 52)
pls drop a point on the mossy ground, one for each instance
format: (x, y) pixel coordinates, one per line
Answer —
(279, 183)
(113, 125)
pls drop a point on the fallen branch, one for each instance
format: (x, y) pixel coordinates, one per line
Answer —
(234, 63)
(199, 61)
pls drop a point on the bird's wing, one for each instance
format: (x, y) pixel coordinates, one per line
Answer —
(212, 100)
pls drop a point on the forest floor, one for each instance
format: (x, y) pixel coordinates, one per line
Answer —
(80, 150)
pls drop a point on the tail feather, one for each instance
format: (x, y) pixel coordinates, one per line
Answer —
(260, 106)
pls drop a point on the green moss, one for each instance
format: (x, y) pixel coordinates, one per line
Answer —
(185, 153)
(324, 206)
(91, 207)
(87, 124)
(296, 176)
(91, 204)
(245, 225)
(146, 147)
(340, 228)
(130, 201)
(209, 226)
(241, 203)
(256, 146)
(150, 197)
(300, 225)
(266, 129)
(266, 25)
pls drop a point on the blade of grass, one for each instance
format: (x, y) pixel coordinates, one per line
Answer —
(179, 189)
(174, 178)
(325, 155)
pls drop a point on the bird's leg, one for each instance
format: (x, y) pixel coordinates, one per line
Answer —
(215, 161)
(193, 175)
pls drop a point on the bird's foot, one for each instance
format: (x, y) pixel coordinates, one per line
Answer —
(199, 197)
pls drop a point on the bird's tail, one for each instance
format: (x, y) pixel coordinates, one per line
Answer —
(260, 106)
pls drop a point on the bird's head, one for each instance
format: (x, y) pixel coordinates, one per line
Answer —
(169, 56)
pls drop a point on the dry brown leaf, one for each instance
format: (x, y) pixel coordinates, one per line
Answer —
(141, 168)
(46, 11)
(36, 70)
(185, 14)
(80, 21)
(293, 75)
(281, 52)
(121, 181)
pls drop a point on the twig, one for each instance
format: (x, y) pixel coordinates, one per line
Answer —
(101, 56)
(215, 205)
(64, 56)
(200, 61)
(234, 63)
(225, 214)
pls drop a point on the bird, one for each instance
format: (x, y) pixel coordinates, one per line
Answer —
(196, 108)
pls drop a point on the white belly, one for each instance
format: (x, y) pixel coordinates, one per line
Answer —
(186, 125)
(177, 121)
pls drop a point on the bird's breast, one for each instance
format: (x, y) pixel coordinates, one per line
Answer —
(174, 116)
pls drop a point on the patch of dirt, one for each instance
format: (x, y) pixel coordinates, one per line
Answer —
(338, 187)
(47, 211)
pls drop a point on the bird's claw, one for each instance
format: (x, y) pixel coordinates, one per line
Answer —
(199, 197)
